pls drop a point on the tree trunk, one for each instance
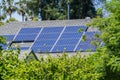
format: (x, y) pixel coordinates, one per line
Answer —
(23, 15)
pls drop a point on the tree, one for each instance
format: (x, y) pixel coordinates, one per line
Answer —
(110, 29)
(8, 7)
(57, 9)
(82, 9)
(21, 8)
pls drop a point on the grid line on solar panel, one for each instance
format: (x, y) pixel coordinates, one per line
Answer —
(62, 48)
(44, 42)
(48, 30)
(8, 37)
(88, 47)
(41, 49)
(29, 30)
(58, 39)
(85, 45)
(80, 39)
(75, 29)
(47, 38)
(27, 34)
(70, 37)
(36, 38)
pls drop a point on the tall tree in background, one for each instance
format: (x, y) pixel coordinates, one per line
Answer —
(82, 9)
(8, 7)
(21, 8)
(57, 9)
(50, 9)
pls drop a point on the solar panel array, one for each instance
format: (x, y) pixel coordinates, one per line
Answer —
(55, 39)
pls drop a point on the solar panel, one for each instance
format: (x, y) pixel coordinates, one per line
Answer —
(46, 39)
(69, 39)
(27, 34)
(86, 45)
(24, 48)
(3, 46)
(62, 48)
(8, 37)
(29, 30)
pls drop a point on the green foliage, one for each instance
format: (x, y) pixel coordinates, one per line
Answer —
(84, 38)
(35, 19)
(8, 7)
(2, 41)
(110, 28)
(1, 23)
(60, 67)
(80, 30)
(11, 20)
(57, 9)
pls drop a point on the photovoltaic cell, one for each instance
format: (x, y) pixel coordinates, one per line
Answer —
(29, 30)
(52, 30)
(8, 38)
(4, 46)
(61, 48)
(25, 37)
(48, 36)
(46, 39)
(69, 39)
(24, 48)
(27, 34)
(87, 45)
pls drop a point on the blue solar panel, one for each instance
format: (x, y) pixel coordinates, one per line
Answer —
(41, 49)
(8, 37)
(86, 45)
(69, 39)
(24, 48)
(52, 30)
(61, 48)
(4, 46)
(27, 37)
(75, 29)
(46, 39)
(71, 35)
(27, 34)
(44, 43)
(48, 36)
(29, 30)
